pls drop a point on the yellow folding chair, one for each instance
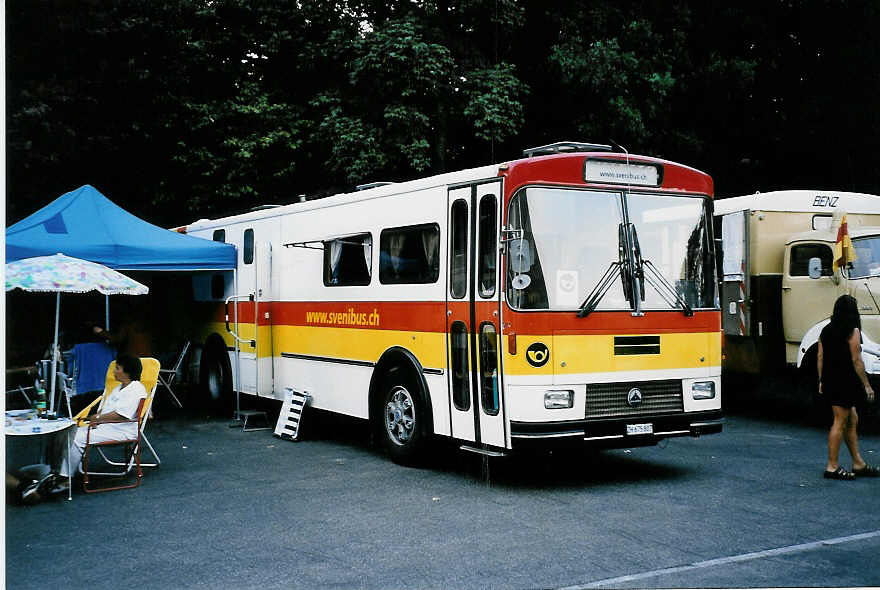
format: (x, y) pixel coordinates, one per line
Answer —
(132, 460)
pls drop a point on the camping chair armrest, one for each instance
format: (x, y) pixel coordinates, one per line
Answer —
(83, 417)
(91, 427)
(113, 421)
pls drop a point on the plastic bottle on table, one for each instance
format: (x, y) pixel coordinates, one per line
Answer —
(40, 403)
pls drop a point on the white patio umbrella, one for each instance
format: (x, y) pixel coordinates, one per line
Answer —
(64, 274)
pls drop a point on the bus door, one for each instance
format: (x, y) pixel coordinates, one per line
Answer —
(244, 316)
(263, 320)
(473, 308)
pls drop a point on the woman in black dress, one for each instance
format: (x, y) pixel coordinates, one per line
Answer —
(843, 382)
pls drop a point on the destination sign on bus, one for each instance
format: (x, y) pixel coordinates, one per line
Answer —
(621, 173)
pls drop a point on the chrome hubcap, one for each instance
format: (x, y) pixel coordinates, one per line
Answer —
(400, 419)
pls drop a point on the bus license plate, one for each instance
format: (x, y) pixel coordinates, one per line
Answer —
(635, 429)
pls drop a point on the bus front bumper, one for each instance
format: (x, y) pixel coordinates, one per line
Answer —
(616, 433)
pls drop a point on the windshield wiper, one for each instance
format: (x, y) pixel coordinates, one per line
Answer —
(662, 285)
(613, 271)
(653, 277)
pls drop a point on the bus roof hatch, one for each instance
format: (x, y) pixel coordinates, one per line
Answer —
(561, 147)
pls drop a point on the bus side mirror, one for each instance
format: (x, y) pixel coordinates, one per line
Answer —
(520, 257)
(815, 267)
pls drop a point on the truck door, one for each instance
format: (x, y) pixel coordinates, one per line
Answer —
(473, 315)
(806, 301)
(735, 286)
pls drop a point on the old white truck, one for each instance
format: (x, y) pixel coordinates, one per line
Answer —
(778, 286)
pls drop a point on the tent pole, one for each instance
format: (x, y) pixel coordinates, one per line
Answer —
(54, 352)
(237, 378)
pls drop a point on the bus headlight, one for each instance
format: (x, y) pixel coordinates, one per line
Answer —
(556, 400)
(703, 390)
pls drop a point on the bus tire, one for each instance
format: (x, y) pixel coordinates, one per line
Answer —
(216, 374)
(402, 421)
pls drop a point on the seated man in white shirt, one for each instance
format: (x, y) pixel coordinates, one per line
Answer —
(121, 404)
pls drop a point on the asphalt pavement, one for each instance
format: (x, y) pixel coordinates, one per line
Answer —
(233, 509)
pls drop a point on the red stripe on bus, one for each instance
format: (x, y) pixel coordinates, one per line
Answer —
(612, 322)
(430, 316)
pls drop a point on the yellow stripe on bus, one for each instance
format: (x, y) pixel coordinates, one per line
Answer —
(568, 353)
(341, 343)
(359, 344)
(593, 354)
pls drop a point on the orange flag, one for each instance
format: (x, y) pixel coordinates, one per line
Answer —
(844, 253)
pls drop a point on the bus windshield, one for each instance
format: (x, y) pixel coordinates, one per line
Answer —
(867, 262)
(565, 240)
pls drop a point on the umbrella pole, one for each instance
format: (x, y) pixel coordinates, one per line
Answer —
(54, 352)
(107, 312)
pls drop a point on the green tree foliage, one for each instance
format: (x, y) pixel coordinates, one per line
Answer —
(190, 108)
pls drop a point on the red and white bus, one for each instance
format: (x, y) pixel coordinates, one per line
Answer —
(566, 297)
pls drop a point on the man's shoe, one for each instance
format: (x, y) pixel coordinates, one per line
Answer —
(36, 490)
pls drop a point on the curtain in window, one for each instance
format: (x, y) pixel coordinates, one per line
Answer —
(368, 250)
(431, 244)
(335, 256)
(395, 247)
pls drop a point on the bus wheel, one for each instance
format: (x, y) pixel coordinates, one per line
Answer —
(216, 376)
(403, 421)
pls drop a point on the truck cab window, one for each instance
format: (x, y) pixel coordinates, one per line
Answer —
(800, 259)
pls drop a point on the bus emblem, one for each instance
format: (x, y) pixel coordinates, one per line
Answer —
(634, 397)
(537, 354)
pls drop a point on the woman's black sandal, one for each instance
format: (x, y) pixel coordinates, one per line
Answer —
(867, 471)
(839, 473)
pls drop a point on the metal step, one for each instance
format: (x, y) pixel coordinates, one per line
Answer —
(481, 451)
(290, 418)
(243, 416)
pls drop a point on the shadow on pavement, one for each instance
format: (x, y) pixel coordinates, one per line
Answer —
(784, 397)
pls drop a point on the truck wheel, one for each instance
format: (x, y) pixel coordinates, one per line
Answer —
(403, 422)
(809, 387)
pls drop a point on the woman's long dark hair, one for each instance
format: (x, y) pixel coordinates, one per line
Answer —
(845, 318)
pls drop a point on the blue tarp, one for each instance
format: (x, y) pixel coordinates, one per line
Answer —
(85, 224)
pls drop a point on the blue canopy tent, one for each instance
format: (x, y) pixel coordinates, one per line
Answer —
(85, 224)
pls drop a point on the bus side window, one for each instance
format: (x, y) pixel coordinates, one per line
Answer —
(218, 281)
(458, 250)
(409, 255)
(348, 261)
(486, 255)
(458, 342)
(489, 368)
(248, 250)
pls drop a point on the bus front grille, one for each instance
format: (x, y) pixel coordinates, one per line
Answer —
(605, 400)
